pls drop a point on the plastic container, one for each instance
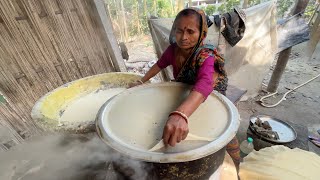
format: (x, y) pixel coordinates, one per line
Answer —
(246, 147)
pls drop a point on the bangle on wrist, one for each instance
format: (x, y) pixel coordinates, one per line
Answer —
(185, 117)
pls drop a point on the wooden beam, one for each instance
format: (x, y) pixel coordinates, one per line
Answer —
(245, 4)
(300, 6)
(284, 55)
(314, 35)
(279, 69)
(111, 41)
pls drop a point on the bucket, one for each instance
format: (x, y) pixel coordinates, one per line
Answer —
(132, 122)
(54, 111)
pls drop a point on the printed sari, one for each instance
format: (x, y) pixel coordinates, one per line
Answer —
(189, 69)
(199, 54)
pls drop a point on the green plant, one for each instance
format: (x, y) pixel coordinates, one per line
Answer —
(282, 7)
(210, 9)
(2, 99)
(254, 2)
(222, 8)
(203, 7)
(164, 8)
(231, 4)
(311, 8)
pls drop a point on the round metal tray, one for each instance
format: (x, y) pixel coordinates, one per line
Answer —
(285, 131)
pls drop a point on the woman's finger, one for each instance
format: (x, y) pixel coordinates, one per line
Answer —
(174, 137)
(179, 138)
(181, 135)
(166, 134)
(185, 134)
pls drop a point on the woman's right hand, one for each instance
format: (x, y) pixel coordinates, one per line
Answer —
(175, 130)
(133, 84)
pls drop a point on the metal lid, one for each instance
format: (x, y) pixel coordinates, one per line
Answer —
(285, 132)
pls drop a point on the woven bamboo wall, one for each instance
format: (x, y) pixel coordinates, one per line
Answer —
(44, 44)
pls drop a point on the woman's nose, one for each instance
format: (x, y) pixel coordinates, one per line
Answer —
(185, 36)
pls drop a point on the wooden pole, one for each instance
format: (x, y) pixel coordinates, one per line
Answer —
(314, 35)
(110, 39)
(145, 9)
(155, 7)
(172, 7)
(300, 7)
(124, 21)
(284, 55)
(314, 13)
(116, 22)
(180, 5)
(245, 4)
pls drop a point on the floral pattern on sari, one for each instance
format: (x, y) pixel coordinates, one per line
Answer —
(200, 53)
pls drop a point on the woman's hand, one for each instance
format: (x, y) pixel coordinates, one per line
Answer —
(133, 84)
(175, 130)
(155, 69)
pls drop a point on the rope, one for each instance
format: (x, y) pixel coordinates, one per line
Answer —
(284, 96)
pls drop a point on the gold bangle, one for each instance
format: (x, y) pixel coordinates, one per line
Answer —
(140, 81)
(185, 117)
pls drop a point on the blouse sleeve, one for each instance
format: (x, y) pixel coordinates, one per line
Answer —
(204, 80)
(166, 57)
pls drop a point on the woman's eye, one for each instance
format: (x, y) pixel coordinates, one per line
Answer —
(190, 31)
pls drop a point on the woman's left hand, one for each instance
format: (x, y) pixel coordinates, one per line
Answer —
(175, 130)
(133, 84)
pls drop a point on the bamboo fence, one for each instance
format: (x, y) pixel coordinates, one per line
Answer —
(44, 44)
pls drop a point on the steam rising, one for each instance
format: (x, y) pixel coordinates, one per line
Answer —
(59, 157)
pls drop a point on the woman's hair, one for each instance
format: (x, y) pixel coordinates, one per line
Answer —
(189, 12)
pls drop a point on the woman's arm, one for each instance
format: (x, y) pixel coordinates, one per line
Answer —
(176, 128)
(162, 63)
(154, 70)
(192, 102)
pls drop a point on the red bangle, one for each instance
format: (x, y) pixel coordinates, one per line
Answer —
(185, 117)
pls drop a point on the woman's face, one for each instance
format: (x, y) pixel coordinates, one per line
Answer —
(187, 32)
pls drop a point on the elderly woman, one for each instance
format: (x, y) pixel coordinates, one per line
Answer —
(193, 63)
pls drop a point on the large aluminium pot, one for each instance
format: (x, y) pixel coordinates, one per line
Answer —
(132, 122)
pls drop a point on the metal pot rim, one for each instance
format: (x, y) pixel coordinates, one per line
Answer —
(158, 157)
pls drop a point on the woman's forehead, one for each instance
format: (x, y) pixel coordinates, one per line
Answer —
(188, 22)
